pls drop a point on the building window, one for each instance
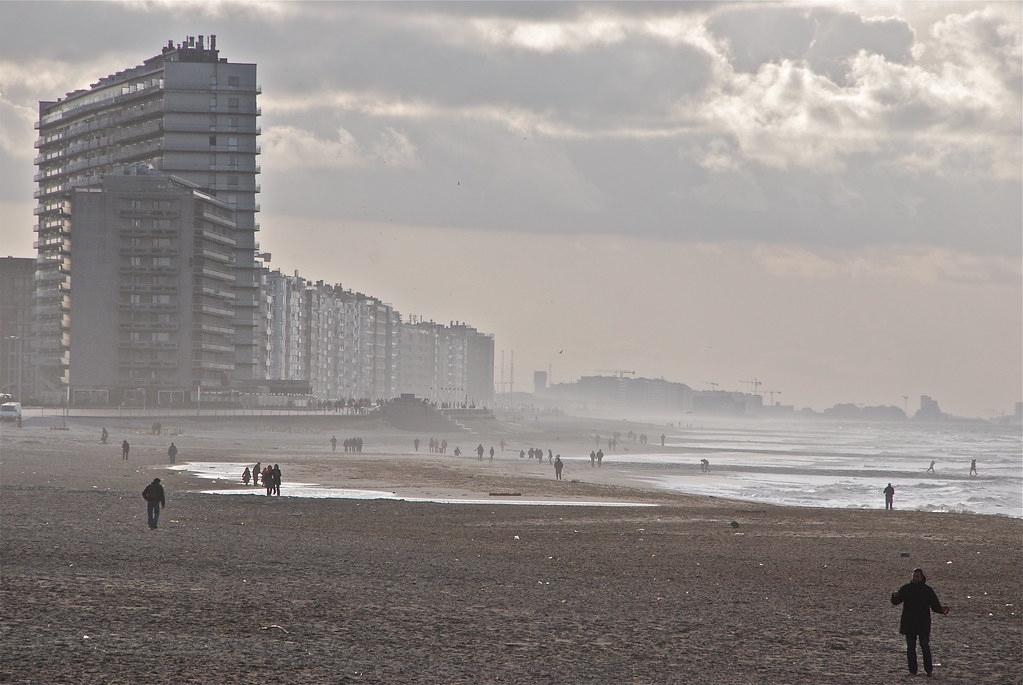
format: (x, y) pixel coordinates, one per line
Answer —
(232, 103)
(213, 141)
(213, 102)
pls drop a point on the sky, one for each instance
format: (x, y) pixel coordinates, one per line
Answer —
(822, 197)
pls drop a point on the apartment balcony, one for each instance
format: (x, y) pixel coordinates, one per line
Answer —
(148, 344)
(144, 307)
(210, 328)
(216, 237)
(219, 275)
(216, 311)
(159, 326)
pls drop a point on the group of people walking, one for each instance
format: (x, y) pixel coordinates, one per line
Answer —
(350, 445)
(270, 475)
(435, 445)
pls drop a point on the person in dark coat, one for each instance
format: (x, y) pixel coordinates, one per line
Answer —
(172, 452)
(276, 476)
(154, 496)
(125, 447)
(918, 601)
(889, 497)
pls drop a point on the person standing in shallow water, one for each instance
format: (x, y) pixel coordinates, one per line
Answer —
(155, 498)
(973, 467)
(918, 600)
(889, 497)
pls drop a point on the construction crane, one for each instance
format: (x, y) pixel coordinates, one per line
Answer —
(621, 373)
(754, 386)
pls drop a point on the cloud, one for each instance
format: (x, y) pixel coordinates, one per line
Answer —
(288, 147)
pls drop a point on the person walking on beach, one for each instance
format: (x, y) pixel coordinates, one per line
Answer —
(333, 443)
(918, 601)
(276, 478)
(172, 453)
(125, 447)
(558, 465)
(662, 439)
(155, 498)
(704, 465)
(103, 435)
(255, 474)
(415, 443)
(930, 469)
(600, 458)
(246, 476)
(491, 453)
(593, 459)
(268, 480)
(479, 452)
(889, 497)
(973, 467)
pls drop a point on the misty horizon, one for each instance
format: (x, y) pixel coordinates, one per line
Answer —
(831, 206)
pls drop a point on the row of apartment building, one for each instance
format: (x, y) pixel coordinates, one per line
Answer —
(148, 278)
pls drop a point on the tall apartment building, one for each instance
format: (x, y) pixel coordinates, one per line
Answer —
(451, 364)
(288, 326)
(153, 309)
(185, 111)
(16, 293)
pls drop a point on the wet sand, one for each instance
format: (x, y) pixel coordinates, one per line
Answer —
(240, 589)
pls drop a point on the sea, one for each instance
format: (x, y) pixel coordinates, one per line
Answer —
(833, 464)
(795, 463)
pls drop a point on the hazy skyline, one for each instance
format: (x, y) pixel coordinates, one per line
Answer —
(824, 197)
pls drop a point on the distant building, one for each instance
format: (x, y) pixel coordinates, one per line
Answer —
(448, 364)
(17, 288)
(929, 410)
(539, 382)
(640, 396)
(153, 308)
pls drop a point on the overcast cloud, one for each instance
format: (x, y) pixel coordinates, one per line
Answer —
(815, 144)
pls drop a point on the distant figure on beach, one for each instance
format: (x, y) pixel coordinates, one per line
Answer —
(704, 465)
(268, 480)
(491, 453)
(172, 453)
(889, 497)
(103, 435)
(125, 447)
(593, 459)
(246, 476)
(973, 467)
(458, 451)
(550, 456)
(443, 446)
(558, 465)
(600, 458)
(333, 443)
(930, 469)
(918, 601)
(276, 477)
(255, 474)
(522, 454)
(662, 439)
(479, 452)
(154, 496)
(415, 443)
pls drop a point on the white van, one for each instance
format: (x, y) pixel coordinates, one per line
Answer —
(10, 411)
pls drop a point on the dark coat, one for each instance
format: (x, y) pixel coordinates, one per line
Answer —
(918, 601)
(154, 493)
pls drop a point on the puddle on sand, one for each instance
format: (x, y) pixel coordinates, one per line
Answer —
(231, 472)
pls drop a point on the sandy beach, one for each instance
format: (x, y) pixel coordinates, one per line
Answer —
(301, 590)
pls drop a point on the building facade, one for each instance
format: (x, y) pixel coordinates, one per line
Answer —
(17, 286)
(186, 112)
(153, 309)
